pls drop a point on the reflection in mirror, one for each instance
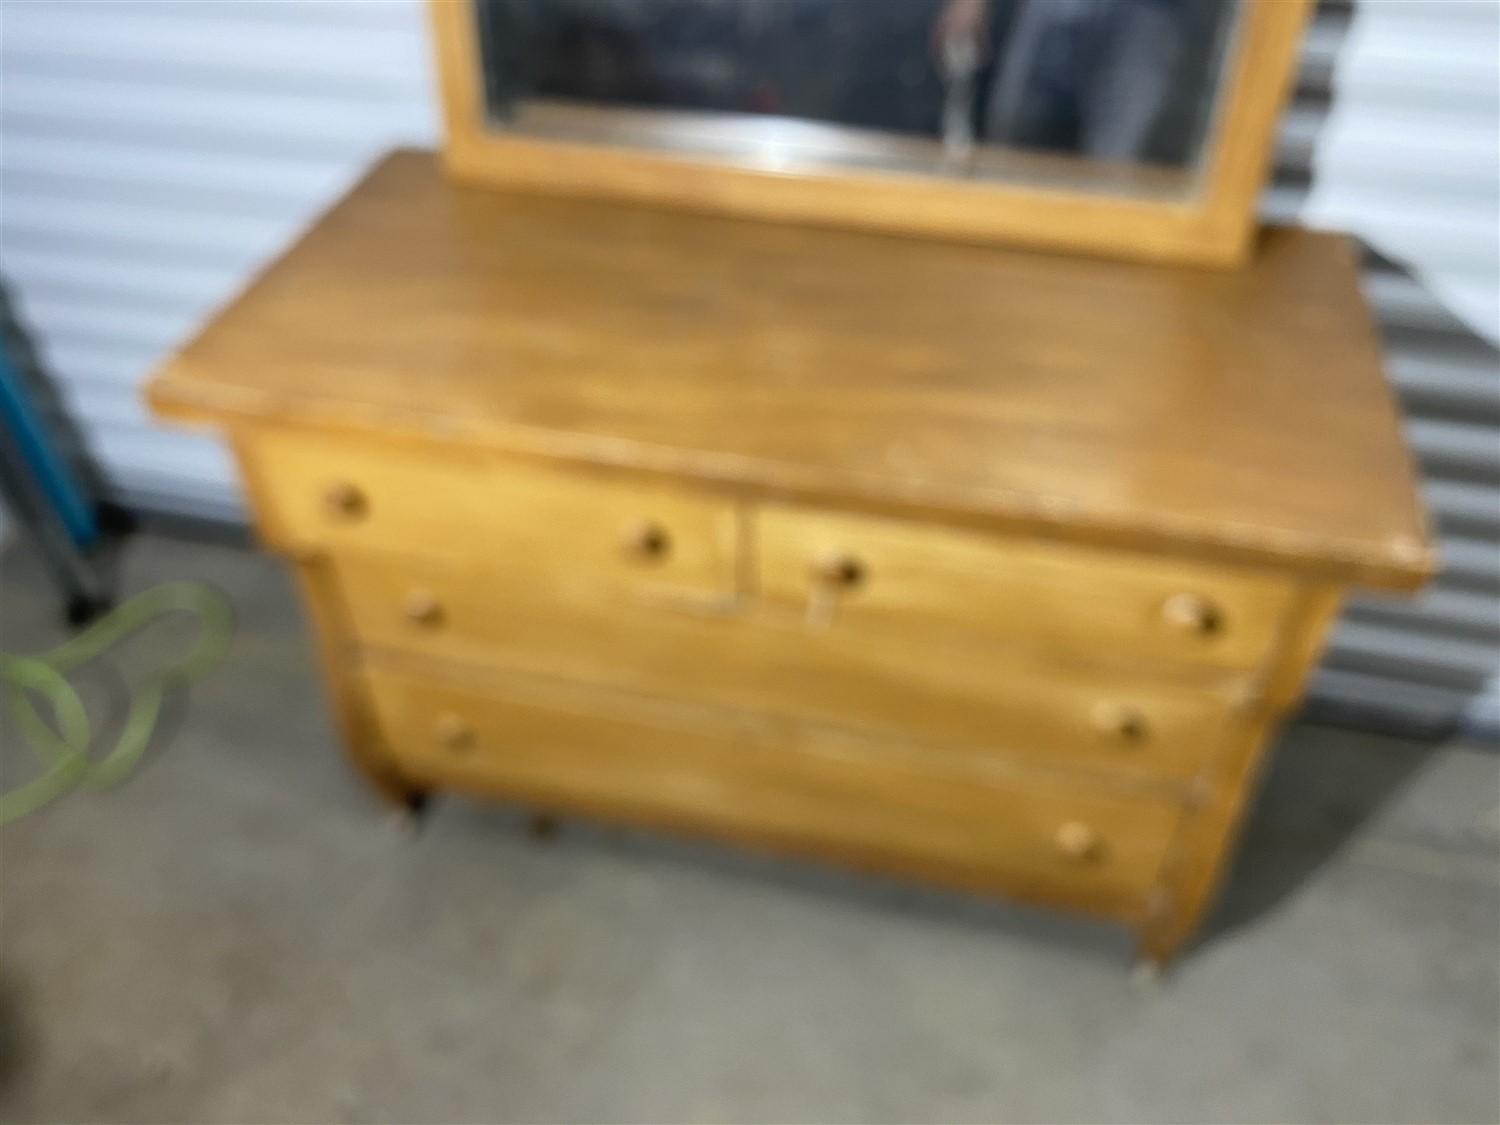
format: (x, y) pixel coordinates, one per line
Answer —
(1122, 90)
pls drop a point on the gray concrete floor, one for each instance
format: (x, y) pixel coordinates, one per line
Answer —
(237, 934)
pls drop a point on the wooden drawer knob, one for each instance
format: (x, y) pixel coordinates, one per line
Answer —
(453, 732)
(422, 607)
(1193, 613)
(1077, 841)
(345, 501)
(837, 568)
(648, 540)
(1120, 722)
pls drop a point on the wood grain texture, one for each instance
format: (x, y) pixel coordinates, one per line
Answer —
(1203, 842)
(956, 688)
(564, 528)
(868, 803)
(334, 639)
(965, 563)
(1212, 225)
(903, 577)
(360, 735)
(1239, 416)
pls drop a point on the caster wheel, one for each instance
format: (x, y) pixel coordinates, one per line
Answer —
(407, 819)
(543, 827)
(82, 608)
(114, 519)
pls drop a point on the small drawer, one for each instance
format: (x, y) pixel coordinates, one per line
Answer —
(857, 573)
(563, 528)
(866, 802)
(955, 689)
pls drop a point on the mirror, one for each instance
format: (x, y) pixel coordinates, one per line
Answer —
(1097, 95)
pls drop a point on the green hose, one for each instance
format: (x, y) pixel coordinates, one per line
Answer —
(65, 750)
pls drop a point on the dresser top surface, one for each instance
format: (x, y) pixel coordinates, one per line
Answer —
(1240, 414)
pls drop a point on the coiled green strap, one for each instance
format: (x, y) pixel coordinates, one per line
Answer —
(65, 750)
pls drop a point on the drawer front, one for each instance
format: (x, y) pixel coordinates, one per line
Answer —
(955, 689)
(864, 574)
(550, 525)
(851, 799)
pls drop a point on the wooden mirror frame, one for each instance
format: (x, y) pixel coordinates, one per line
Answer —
(1214, 228)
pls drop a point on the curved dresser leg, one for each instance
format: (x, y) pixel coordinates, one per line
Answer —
(352, 713)
(1204, 842)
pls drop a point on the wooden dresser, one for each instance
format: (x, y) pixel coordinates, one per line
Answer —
(971, 565)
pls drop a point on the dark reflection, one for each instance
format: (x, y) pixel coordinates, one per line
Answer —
(1121, 80)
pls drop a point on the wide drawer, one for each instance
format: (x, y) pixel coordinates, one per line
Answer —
(856, 800)
(540, 523)
(862, 574)
(954, 688)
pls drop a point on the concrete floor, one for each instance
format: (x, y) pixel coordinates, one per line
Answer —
(238, 934)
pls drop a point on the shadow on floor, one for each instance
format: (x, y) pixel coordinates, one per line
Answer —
(17, 1039)
(780, 876)
(1322, 786)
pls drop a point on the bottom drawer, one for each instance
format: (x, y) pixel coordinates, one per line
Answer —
(911, 811)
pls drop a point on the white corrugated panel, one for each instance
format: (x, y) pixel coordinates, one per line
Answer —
(1395, 136)
(154, 154)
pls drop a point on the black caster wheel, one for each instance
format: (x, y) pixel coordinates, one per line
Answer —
(407, 817)
(83, 608)
(114, 519)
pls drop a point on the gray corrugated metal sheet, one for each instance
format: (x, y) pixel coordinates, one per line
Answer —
(156, 153)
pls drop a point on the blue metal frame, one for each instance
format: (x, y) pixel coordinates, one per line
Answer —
(26, 428)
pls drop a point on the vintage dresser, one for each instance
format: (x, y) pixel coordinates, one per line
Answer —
(966, 564)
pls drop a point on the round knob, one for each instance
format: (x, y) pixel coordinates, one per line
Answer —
(422, 608)
(648, 540)
(1193, 613)
(345, 501)
(453, 732)
(1076, 840)
(1120, 721)
(837, 568)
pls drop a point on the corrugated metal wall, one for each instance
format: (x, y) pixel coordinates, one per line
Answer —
(153, 155)
(1395, 135)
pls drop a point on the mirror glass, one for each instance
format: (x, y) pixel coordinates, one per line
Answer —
(1114, 95)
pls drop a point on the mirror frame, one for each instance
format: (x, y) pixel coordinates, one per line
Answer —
(1214, 228)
